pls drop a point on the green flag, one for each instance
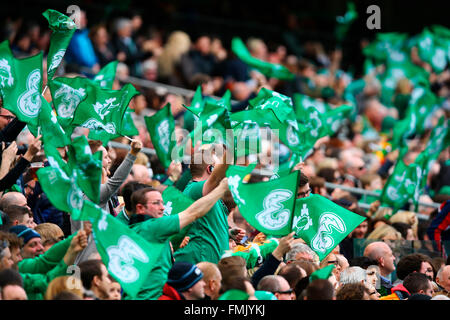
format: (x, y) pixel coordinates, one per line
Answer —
(322, 224)
(62, 190)
(405, 182)
(161, 127)
(267, 206)
(103, 111)
(128, 127)
(344, 22)
(323, 273)
(420, 108)
(432, 49)
(63, 29)
(21, 84)
(212, 126)
(88, 167)
(106, 76)
(175, 202)
(194, 110)
(270, 70)
(128, 257)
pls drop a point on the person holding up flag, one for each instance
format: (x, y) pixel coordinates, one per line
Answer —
(158, 228)
(209, 236)
(108, 187)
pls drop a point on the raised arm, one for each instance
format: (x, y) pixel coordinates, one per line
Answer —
(113, 184)
(200, 207)
(216, 175)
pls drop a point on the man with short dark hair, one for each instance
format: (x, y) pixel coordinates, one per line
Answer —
(20, 215)
(418, 283)
(320, 289)
(303, 190)
(94, 277)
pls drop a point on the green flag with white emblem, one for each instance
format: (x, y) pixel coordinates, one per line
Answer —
(103, 111)
(323, 224)
(63, 29)
(62, 190)
(21, 84)
(88, 167)
(267, 206)
(405, 183)
(161, 127)
(128, 257)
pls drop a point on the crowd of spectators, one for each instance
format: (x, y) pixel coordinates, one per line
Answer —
(38, 242)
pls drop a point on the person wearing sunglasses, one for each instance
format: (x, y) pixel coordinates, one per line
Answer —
(278, 286)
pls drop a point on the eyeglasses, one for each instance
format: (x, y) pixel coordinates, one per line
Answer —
(304, 194)
(335, 262)
(9, 118)
(157, 202)
(285, 292)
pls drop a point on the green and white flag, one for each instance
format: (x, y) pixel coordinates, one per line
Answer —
(405, 182)
(212, 125)
(323, 224)
(432, 49)
(103, 111)
(270, 70)
(128, 257)
(194, 110)
(87, 166)
(267, 206)
(62, 190)
(21, 84)
(51, 130)
(161, 127)
(63, 29)
(67, 94)
(420, 108)
(106, 76)
(175, 202)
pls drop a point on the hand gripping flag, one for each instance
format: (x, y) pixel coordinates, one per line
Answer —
(63, 29)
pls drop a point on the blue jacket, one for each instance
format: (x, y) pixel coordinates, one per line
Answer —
(81, 50)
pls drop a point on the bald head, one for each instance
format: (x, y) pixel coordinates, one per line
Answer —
(141, 174)
(13, 198)
(382, 253)
(212, 278)
(443, 277)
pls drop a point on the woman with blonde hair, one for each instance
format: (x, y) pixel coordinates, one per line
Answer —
(408, 217)
(178, 43)
(384, 232)
(64, 283)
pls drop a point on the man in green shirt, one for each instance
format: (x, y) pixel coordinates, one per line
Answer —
(208, 236)
(149, 221)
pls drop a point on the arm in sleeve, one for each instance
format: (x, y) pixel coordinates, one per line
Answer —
(269, 267)
(12, 176)
(12, 130)
(439, 224)
(113, 184)
(47, 261)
